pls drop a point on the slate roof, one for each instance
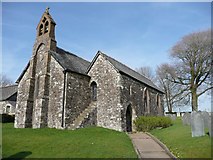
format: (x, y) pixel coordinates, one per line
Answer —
(73, 63)
(70, 62)
(7, 92)
(128, 71)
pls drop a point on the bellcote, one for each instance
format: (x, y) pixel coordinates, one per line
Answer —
(46, 26)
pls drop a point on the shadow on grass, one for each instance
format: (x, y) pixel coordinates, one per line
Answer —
(19, 155)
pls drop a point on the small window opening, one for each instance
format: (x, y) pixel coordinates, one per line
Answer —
(46, 27)
(7, 109)
(44, 19)
(158, 99)
(94, 91)
(41, 29)
(146, 100)
(130, 90)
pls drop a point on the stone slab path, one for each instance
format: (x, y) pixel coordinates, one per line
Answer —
(148, 147)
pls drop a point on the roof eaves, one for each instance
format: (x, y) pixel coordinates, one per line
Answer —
(22, 73)
(71, 71)
(93, 61)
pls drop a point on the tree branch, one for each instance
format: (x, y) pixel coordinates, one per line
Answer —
(204, 91)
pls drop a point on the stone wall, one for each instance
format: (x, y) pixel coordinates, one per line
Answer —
(7, 107)
(108, 93)
(24, 100)
(55, 109)
(91, 120)
(77, 96)
(132, 94)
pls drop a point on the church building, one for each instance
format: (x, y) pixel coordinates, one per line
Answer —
(58, 89)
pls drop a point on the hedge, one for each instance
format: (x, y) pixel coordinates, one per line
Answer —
(147, 123)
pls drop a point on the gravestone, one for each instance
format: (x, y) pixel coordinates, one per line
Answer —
(197, 124)
(210, 127)
(206, 118)
(186, 119)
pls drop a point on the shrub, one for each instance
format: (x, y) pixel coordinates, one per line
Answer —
(147, 123)
(6, 118)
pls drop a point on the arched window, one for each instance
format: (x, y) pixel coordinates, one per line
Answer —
(158, 103)
(157, 100)
(7, 109)
(41, 29)
(146, 100)
(94, 91)
(46, 27)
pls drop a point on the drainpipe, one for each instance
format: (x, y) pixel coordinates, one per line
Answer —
(63, 105)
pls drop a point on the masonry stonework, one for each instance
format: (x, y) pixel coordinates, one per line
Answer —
(77, 96)
(58, 89)
(108, 93)
(55, 109)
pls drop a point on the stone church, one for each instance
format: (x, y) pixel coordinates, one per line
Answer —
(58, 89)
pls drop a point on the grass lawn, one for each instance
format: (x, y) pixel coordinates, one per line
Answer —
(92, 142)
(180, 142)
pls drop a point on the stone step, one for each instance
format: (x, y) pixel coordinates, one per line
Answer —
(78, 121)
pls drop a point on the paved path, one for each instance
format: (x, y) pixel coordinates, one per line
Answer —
(147, 147)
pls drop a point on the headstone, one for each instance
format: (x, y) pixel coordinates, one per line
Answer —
(197, 124)
(186, 119)
(178, 114)
(206, 118)
(210, 127)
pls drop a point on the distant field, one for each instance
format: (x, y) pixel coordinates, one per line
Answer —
(92, 142)
(178, 139)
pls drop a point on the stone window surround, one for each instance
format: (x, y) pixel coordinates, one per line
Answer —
(8, 108)
(44, 27)
(146, 99)
(93, 86)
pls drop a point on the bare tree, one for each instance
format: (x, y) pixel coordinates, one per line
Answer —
(5, 81)
(192, 64)
(175, 94)
(147, 72)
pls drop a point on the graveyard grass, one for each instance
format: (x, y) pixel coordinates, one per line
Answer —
(91, 142)
(179, 141)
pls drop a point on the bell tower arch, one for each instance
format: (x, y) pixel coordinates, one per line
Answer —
(46, 31)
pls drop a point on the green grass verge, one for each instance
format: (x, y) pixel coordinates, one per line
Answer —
(180, 142)
(91, 142)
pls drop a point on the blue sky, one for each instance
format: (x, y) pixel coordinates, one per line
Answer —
(136, 34)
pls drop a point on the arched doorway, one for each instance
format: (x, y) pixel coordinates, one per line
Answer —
(129, 119)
